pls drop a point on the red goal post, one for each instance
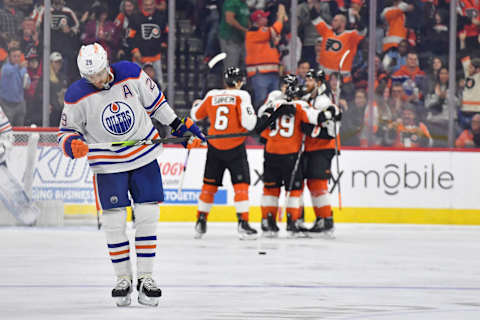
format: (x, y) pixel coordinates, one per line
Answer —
(47, 135)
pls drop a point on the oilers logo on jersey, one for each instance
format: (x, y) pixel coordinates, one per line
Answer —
(118, 118)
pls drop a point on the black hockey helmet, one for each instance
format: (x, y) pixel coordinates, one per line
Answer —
(232, 76)
(293, 91)
(310, 74)
(290, 79)
(318, 75)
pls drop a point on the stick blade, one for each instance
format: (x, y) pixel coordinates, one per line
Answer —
(343, 58)
(219, 57)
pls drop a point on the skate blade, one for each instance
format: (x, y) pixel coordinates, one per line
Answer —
(243, 236)
(302, 234)
(322, 235)
(123, 301)
(270, 234)
(297, 235)
(198, 235)
(148, 301)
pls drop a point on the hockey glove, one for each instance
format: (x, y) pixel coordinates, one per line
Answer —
(286, 109)
(265, 121)
(195, 142)
(307, 128)
(331, 113)
(185, 125)
(79, 148)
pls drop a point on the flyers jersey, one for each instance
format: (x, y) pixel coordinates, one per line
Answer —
(286, 138)
(396, 30)
(229, 111)
(335, 45)
(313, 143)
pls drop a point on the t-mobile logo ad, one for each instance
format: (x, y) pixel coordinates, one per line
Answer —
(394, 178)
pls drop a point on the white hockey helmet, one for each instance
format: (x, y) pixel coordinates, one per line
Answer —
(92, 59)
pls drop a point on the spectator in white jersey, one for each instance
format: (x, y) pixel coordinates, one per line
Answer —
(117, 103)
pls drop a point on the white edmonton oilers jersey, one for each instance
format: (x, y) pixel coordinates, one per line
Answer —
(120, 113)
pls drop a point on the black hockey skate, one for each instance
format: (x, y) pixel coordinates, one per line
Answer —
(269, 227)
(245, 232)
(122, 291)
(148, 292)
(200, 226)
(301, 221)
(322, 228)
(293, 229)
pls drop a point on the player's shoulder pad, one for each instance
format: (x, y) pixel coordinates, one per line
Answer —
(322, 102)
(213, 92)
(123, 70)
(278, 102)
(78, 90)
(242, 94)
(275, 95)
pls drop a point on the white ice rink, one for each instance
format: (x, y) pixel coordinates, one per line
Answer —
(369, 272)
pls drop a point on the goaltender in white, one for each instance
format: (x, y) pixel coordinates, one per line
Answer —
(116, 103)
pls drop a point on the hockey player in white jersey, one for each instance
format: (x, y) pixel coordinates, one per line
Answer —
(116, 103)
(319, 151)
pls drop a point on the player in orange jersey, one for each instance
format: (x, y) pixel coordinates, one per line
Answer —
(336, 41)
(281, 151)
(229, 110)
(319, 151)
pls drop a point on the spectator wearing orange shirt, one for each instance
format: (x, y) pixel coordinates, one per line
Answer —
(262, 57)
(411, 133)
(470, 138)
(394, 17)
(336, 41)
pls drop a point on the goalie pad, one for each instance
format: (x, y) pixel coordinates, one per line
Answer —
(15, 200)
(6, 142)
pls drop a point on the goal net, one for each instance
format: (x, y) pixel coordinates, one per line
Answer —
(23, 200)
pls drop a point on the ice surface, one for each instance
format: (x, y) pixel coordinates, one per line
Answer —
(369, 272)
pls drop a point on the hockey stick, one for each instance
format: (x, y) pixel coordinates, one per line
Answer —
(129, 143)
(99, 224)
(211, 64)
(337, 147)
(292, 176)
(182, 176)
(219, 57)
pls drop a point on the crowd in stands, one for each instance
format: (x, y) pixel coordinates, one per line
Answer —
(411, 106)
